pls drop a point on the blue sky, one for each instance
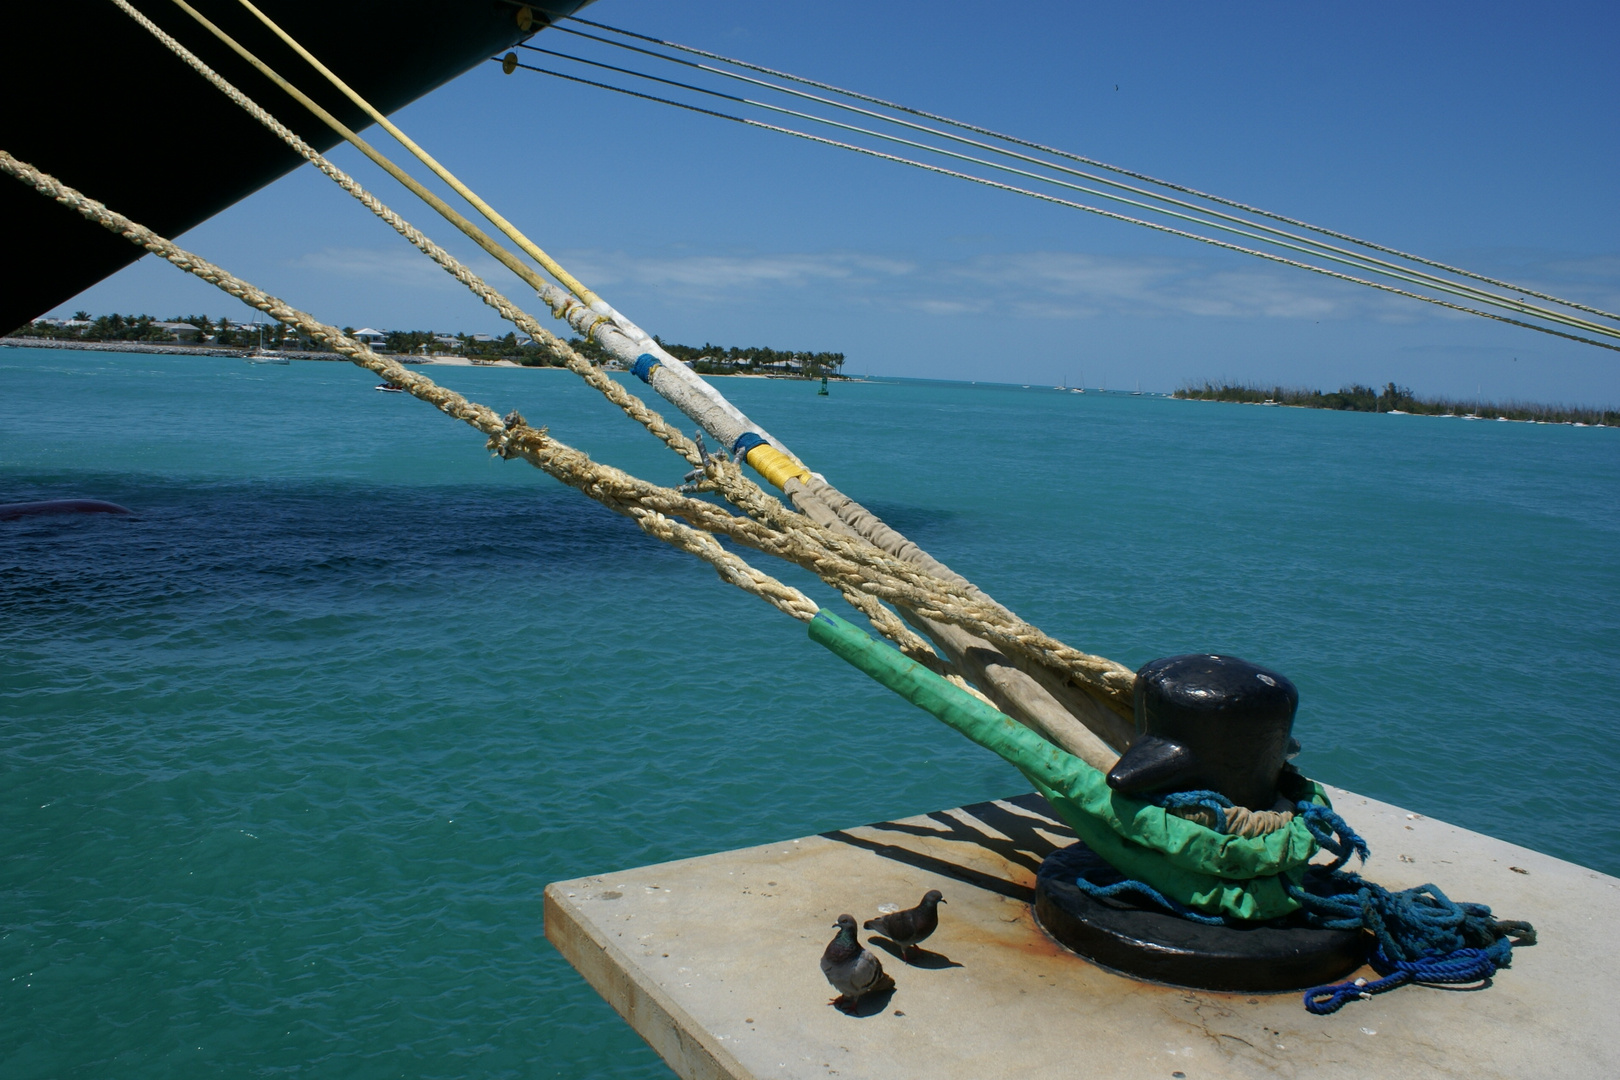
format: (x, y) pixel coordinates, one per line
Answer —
(1484, 135)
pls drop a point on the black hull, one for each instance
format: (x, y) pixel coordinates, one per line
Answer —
(95, 100)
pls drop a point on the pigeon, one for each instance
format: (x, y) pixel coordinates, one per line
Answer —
(907, 928)
(853, 971)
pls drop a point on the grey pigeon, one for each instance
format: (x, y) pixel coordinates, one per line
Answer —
(907, 928)
(853, 971)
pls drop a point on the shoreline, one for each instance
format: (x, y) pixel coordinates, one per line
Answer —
(1399, 412)
(233, 352)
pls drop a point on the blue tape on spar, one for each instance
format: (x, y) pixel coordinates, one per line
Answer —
(644, 366)
(746, 442)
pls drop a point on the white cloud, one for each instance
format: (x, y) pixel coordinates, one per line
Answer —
(1038, 285)
(400, 266)
(1042, 285)
(728, 277)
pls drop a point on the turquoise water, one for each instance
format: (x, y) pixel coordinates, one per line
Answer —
(290, 754)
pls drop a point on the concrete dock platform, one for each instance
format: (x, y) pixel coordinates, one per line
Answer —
(714, 961)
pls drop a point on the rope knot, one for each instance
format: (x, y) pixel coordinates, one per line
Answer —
(517, 433)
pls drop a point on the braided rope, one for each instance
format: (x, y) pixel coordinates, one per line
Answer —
(721, 476)
(612, 487)
(633, 406)
(649, 504)
(731, 569)
(509, 436)
(933, 581)
(851, 564)
(1215, 811)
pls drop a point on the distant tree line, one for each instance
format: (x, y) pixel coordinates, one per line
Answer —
(146, 328)
(1392, 398)
(708, 360)
(756, 360)
(487, 347)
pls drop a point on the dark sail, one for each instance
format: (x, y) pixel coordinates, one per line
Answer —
(95, 100)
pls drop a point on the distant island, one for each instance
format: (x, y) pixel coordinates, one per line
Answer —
(1396, 399)
(201, 331)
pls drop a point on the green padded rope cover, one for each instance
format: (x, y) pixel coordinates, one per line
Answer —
(1212, 872)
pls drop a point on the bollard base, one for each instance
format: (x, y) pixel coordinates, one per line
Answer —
(1146, 942)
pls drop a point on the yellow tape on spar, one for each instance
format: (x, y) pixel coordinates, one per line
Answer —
(775, 466)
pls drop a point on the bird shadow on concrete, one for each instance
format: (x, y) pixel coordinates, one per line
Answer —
(920, 958)
(870, 1005)
(1020, 841)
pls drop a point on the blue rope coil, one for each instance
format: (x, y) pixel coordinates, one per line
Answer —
(1422, 934)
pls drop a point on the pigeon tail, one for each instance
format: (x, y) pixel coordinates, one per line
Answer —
(912, 926)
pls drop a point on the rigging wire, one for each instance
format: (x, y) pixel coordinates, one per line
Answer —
(1365, 262)
(1305, 245)
(962, 125)
(1044, 197)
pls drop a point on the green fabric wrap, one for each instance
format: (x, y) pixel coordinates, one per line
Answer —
(1213, 872)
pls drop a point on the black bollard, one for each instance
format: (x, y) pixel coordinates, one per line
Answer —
(1206, 722)
(1203, 722)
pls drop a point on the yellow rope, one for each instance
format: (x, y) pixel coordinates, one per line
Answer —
(849, 563)
(609, 388)
(532, 249)
(509, 436)
(727, 479)
(909, 587)
(473, 232)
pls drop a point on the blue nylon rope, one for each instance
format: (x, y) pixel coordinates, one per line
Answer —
(1142, 888)
(1422, 934)
(1212, 801)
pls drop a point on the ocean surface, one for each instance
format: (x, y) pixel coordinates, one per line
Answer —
(288, 755)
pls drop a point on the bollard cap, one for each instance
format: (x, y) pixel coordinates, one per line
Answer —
(1206, 721)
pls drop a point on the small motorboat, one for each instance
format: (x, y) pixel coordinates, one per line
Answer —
(390, 388)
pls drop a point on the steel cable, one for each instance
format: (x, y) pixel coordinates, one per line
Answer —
(1093, 162)
(1044, 197)
(1293, 242)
